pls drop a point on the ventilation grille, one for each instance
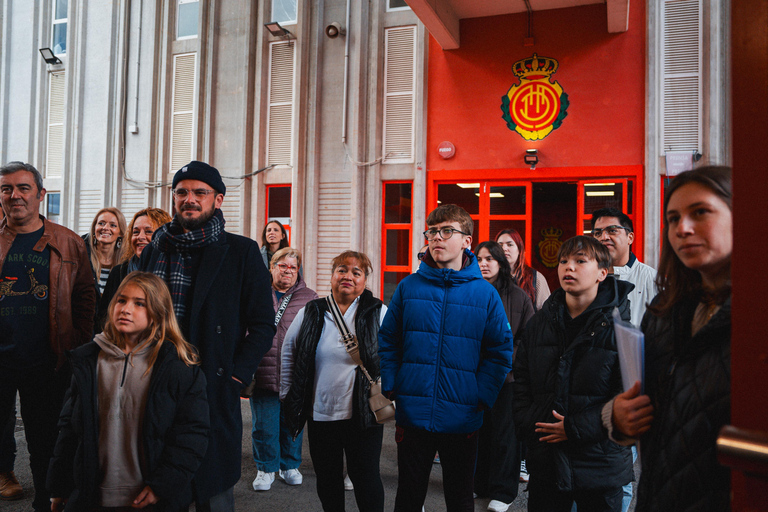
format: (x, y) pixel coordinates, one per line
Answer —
(183, 111)
(333, 227)
(132, 200)
(55, 151)
(89, 204)
(282, 64)
(399, 94)
(232, 209)
(682, 75)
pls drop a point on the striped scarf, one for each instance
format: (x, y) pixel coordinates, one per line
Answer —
(175, 265)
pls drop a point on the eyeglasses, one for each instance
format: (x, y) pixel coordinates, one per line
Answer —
(287, 268)
(199, 193)
(611, 230)
(445, 232)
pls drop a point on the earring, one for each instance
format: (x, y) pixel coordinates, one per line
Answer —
(119, 242)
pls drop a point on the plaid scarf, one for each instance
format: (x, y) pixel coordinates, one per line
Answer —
(175, 264)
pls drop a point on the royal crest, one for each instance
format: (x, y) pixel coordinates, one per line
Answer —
(550, 246)
(535, 106)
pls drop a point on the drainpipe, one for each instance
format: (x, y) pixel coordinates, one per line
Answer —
(346, 79)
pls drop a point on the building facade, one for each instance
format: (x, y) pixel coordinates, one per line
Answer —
(348, 121)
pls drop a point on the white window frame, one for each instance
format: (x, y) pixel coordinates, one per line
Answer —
(178, 5)
(284, 22)
(174, 114)
(59, 21)
(387, 95)
(271, 104)
(396, 9)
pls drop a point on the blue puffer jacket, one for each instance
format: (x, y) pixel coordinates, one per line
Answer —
(445, 347)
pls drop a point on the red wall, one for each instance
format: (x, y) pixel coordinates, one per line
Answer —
(603, 75)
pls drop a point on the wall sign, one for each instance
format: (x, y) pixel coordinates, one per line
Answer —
(535, 106)
(446, 149)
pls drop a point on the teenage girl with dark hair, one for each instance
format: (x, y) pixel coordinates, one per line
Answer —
(529, 279)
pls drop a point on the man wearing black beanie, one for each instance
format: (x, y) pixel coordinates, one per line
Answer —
(221, 297)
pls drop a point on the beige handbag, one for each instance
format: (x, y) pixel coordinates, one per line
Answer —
(382, 407)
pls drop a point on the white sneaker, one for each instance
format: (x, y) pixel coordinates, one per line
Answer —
(498, 506)
(348, 484)
(291, 476)
(524, 477)
(263, 481)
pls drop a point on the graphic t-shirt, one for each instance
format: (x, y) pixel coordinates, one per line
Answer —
(24, 297)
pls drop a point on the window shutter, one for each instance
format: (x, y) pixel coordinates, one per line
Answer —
(399, 94)
(183, 109)
(132, 200)
(333, 225)
(232, 209)
(55, 150)
(89, 204)
(682, 89)
(282, 65)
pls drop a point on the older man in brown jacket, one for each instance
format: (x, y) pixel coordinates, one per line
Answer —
(47, 301)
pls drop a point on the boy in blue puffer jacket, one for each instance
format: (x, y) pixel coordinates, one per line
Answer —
(445, 348)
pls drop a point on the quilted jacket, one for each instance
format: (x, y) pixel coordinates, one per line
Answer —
(268, 373)
(576, 380)
(688, 378)
(445, 347)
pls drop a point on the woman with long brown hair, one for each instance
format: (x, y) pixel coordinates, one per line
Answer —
(529, 279)
(687, 353)
(134, 428)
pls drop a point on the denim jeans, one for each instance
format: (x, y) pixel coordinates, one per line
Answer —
(273, 446)
(8, 443)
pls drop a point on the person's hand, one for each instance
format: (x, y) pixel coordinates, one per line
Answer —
(632, 412)
(57, 504)
(555, 431)
(145, 498)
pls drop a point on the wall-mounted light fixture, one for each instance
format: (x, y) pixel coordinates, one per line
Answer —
(276, 30)
(531, 157)
(335, 30)
(49, 57)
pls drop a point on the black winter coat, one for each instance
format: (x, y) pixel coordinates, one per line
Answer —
(576, 381)
(299, 400)
(175, 432)
(689, 381)
(231, 323)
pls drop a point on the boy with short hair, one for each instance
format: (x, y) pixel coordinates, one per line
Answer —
(445, 348)
(566, 369)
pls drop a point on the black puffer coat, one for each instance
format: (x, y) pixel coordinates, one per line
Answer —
(576, 381)
(689, 381)
(175, 432)
(298, 402)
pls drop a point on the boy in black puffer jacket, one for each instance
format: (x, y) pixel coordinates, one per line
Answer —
(566, 369)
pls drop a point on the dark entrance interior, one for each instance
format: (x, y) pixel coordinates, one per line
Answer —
(554, 219)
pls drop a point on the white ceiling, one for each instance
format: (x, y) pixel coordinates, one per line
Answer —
(441, 17)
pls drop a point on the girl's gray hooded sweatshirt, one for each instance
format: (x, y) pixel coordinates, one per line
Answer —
(122, 399)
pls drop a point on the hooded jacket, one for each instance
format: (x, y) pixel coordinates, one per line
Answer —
(174, 432)
(268, 373)
(575, 379)
(445, 347)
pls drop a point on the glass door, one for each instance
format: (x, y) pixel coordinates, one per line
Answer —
(596, 194)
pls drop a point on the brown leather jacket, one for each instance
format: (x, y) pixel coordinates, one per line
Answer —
(72, 293)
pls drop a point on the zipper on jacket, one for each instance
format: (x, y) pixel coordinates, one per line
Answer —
(439, 347)
(125, 369)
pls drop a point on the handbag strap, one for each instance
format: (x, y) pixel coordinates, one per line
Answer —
(281, 309)
(348, 339)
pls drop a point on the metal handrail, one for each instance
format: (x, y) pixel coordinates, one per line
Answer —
(744, 450)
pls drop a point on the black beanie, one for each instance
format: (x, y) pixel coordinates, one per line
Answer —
(201, 171)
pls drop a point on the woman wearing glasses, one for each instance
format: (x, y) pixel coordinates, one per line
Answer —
(275, 450)
(322, 385)
(529, 279)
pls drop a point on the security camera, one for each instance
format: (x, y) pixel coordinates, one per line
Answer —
(335, 30)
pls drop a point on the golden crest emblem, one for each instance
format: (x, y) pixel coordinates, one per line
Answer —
(549, 246)
(535, 106)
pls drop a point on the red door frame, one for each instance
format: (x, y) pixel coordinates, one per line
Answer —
(558, 174)
(394, 226)
(266, 207)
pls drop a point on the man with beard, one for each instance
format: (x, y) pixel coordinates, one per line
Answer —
(48, 299)
(221, 297)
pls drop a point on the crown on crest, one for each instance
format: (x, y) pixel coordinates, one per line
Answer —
(551, 232)
(535, 68)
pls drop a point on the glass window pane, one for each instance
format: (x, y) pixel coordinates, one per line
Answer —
(284, 11)
(53, 209)
(507, 200)
(391, 279)
(397, 207)
(188, 17)
(279, 202)
(59, 38)
(397, 4)
(398, 247)
(61, 10)
(602, 195)
(466, 195)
